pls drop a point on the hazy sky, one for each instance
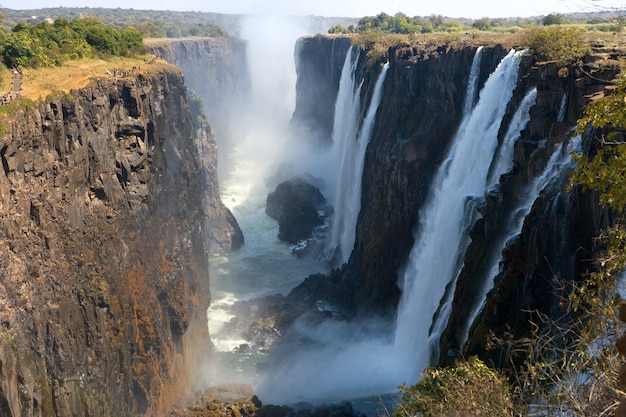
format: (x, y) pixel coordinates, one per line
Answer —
(350, 8)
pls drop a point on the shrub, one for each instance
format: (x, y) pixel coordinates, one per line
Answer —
(564, 45)
(467, 388)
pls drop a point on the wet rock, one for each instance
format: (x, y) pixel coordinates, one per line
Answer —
(298, 207)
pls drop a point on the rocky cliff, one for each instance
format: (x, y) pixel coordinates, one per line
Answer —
(104, 284)
(420, 111)
(217, 70)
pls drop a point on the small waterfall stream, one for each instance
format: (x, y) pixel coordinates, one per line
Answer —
(348, 152)
(558, 163)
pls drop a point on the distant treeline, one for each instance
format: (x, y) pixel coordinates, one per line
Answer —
(150, 23)
(49, 44)
(403, 24)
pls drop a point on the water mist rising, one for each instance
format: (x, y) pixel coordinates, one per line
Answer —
(264, 265)
(441, 236)
(339, 360)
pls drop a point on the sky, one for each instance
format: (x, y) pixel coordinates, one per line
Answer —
(344, 8)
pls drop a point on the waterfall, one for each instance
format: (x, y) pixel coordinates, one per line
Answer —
(559, 161)
(503, 162)
(434, 259)
(472, 84)
(349, 145)
(562, 109)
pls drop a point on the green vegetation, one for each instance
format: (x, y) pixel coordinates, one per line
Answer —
(48, 44)
(469, 388)
(564, 45)
(401, 24)
(196, 105)
(150, 23)
(553, 19)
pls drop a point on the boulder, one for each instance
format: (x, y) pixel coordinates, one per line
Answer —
(298, 207)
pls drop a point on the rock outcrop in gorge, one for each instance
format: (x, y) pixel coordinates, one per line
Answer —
(298, 207)
(104, 284)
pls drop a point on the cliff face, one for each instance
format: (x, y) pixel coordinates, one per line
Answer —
(319, 61)
(420, 111)
(217, 70)
(104, 284)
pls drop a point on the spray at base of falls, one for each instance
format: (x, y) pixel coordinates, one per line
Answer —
(338, 362)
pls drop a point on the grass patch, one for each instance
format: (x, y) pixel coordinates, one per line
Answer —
(40, 83)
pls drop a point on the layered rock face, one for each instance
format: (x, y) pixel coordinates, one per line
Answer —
(420, 111)
(217, 70)
(104, 285)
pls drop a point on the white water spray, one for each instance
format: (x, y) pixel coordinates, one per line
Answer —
(503, 162)
(348, 152)
(340, 360)
(472, 84)
(434, 259)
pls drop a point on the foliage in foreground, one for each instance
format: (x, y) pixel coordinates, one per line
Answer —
(470, 388)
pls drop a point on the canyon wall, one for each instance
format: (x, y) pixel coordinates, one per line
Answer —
(104, 285)
(419, 114)
(217, 70)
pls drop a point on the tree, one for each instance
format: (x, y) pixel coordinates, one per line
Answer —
(482, 24)
(553, 19)
(18, 50)
(339, 29)
(564, 45)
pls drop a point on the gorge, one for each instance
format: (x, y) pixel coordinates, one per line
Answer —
(520, 230)
(436, 174)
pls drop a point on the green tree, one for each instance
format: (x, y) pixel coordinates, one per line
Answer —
(482, 24)
(564, 45)
(553, 19)
(18, 49)
(338, 29)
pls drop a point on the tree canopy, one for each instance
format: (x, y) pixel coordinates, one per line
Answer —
(49, 44)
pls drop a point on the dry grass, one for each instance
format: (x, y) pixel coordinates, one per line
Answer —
(38, 83)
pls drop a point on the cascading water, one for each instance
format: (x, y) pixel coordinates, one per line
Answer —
(559, 162)
(433, 261)
(470, 214)
(344, 136)
(348, 152)
(503, 162)
(472, 84)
